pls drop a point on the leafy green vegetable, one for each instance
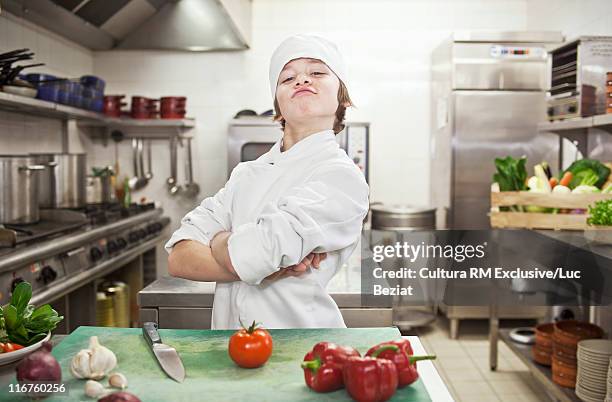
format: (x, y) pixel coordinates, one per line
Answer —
(511, 173)
(23, 323)
(511, 176)
(588, 172)
(600, 213)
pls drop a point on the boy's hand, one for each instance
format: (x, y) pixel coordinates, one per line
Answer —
(312, 259)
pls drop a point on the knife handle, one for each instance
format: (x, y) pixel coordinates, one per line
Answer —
(149, 331)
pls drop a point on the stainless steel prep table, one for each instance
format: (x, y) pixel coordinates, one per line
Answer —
(180, 303)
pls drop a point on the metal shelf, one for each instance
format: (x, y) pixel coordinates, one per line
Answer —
(542, 374)
(125, 122)
(603, 122)
(37, 107)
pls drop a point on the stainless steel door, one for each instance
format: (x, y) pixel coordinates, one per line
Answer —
(487, 125)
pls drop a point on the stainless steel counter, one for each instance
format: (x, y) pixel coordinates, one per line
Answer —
(180, 303)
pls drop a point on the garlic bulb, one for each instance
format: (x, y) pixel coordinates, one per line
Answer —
(93, 363)
(117, 380)
(94, 389)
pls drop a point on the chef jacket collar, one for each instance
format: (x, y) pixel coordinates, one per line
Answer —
(311, 145)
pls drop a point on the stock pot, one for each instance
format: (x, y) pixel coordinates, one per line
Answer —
(19, 178)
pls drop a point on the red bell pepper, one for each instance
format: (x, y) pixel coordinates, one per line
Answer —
(323, 366)
(400, 352)
(370, 380)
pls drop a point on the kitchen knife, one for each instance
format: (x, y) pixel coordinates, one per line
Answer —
(167, 356)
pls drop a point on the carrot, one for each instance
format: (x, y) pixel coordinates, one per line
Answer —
(566, 179)
(553, 182)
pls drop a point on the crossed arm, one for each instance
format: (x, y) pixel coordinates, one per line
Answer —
(193, 260)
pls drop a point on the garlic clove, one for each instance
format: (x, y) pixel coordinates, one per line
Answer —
(94, 389)
(117, 380)
(80, 364)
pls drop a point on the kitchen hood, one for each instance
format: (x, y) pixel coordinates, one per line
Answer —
(190, 25)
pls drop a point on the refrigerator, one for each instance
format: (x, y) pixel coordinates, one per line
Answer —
(488, 95)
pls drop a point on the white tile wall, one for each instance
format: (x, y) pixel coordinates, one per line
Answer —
(572, 17)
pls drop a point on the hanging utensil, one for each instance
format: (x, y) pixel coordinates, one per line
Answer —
(143, 181)
(192, 189)
(149, 173)
(133, 181)
(117, 136)
(173, 188)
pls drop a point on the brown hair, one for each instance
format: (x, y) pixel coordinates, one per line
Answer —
(343, 98)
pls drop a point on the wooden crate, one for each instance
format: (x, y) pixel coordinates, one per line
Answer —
(535, 220)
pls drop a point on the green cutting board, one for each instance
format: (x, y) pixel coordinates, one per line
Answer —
(210, 373)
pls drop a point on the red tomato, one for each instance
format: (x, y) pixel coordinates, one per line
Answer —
(9, 346)
(250, 347)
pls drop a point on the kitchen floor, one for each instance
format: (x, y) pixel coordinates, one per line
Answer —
(464, 364)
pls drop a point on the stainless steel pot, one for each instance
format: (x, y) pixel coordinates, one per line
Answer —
(62, 185)
(99, 190)
(19, 189)
(402, 217)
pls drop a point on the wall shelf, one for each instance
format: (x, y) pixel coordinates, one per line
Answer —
(603, 122)
(578, 129)
(37, 107)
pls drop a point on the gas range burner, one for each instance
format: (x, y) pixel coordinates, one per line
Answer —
(61, 221)
(102, 214)
(52, 222)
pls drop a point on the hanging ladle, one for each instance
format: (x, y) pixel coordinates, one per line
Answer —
(192, 189)
(173, 188)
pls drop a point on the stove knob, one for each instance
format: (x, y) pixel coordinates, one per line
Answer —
(96, 253)
(133, 237)
(112, 247)
(121, 243)
(16, 282)
(47, 274)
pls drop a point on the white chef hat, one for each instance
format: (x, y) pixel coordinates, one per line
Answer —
(306, 46)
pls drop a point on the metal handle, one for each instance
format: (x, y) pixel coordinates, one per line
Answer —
(135, 155)
(75, 251)
(173, 151)
(32, 167)
(189, 163)
(140, 157)
(53, 164)
(149, 331)
(149, 157)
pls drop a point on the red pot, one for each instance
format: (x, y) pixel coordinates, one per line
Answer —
(173, 115)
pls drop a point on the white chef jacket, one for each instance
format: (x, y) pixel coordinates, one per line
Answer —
(280, 208)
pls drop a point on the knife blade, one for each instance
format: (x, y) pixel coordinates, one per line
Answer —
(166, 356)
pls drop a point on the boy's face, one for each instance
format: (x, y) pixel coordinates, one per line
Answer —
(307, 89)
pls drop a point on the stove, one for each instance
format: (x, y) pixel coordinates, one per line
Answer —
(58, 253)
(54, 222)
